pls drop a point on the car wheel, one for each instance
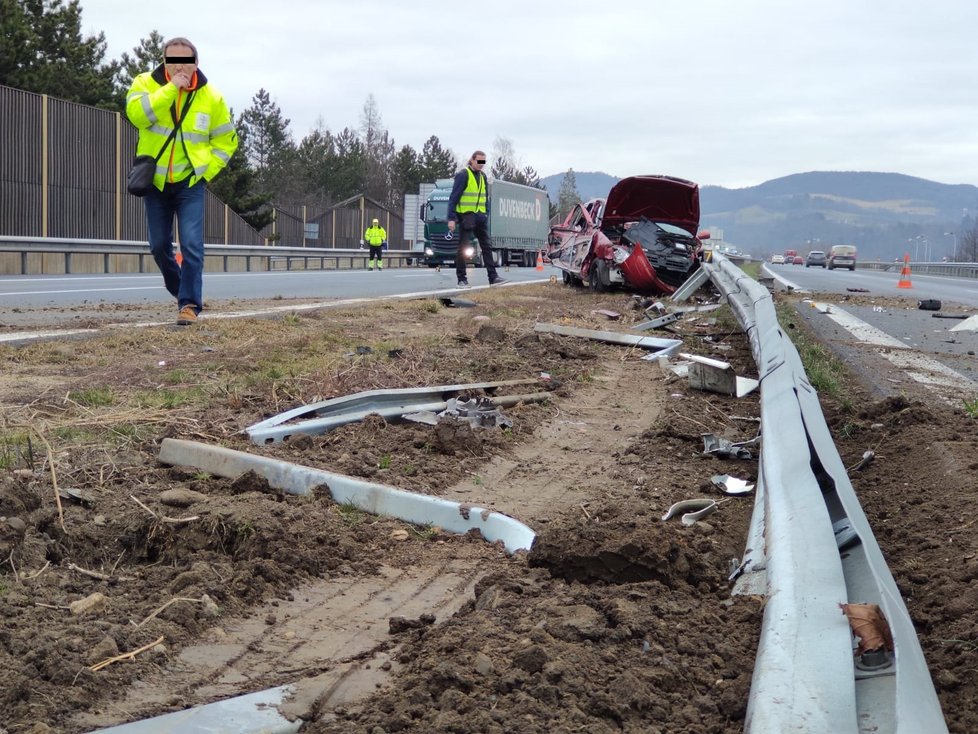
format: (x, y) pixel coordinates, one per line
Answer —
(594, 277)
(567, 278)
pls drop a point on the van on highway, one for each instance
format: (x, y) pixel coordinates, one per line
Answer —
(842, 256)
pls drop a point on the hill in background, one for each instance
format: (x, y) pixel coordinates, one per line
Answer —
(881, 213)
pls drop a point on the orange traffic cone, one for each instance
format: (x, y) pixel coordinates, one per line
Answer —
(539, 259)
(905, 273)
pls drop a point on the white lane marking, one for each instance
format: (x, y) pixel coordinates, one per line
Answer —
(969, 324)
(28, 335)
(918, 367)
(15, 294)
(859, 328)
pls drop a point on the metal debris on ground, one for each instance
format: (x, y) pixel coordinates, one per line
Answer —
(713, 375)
(867, 459)
(731, 485)
(929, 304)
(481, 412)
(611, 315)
(660, 346)
(949, 315)
(725, 449)
(858, 290)
(693, 510)
(658, 323)
(450, 302)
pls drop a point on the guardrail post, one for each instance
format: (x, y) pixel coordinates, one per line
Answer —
(67, 263)
(105, 263)
(23, 263)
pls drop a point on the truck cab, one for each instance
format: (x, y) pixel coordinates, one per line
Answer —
(440, 245)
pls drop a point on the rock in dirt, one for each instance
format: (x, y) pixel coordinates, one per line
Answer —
(181, 497)
(91, 603)
(12, 531)
(107, 648)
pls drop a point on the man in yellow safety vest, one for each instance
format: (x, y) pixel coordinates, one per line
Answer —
(185, 124)
(376, 237)
(469, 203)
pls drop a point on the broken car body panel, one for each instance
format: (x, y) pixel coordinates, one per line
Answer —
(641, 236)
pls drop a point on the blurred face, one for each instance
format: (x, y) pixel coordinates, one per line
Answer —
(179, 58)
(477, 162)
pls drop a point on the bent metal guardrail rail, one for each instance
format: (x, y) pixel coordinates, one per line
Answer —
(27, 256)
(810, 549)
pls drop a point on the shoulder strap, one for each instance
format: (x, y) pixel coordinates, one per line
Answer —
(177, 123)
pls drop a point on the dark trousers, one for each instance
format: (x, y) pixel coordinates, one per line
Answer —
(480, 232)
(376, 252)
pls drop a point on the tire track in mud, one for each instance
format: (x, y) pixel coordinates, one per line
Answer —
(331, 639)
(570, 453)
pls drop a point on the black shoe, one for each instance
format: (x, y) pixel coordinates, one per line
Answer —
(498, 281)
(463, 283)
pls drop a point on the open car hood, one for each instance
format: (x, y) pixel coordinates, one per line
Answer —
(658, 198)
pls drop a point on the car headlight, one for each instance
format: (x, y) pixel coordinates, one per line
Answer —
(469, 251)
(428, 251)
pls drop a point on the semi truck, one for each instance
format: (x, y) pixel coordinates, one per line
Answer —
(519, 224)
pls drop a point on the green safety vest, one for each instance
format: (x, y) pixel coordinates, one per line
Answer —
(375, 236)
(473, 198)
(207, 134)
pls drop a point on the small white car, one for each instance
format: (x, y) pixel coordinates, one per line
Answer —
(777, 259)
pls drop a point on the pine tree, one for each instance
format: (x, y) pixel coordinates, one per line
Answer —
(567, 196)
(436, 162)
(266, 142)
(145, 57)
(43, 51)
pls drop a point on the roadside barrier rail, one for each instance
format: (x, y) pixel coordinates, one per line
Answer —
(27, 256)
(950, 270)
(810, 549)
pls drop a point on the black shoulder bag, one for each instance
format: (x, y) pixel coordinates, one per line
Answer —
(140, 178)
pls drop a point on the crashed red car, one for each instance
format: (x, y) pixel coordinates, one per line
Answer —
(642, 236)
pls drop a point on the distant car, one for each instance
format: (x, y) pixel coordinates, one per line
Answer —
(816, 258)
(797, 260)
(842, 256)
(777, 259)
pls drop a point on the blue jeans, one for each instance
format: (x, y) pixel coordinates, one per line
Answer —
(185, 282)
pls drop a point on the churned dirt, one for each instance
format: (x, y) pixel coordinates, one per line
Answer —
(615, 621)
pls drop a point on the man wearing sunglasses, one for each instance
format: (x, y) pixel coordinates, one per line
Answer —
(469, 204)
(184, 122)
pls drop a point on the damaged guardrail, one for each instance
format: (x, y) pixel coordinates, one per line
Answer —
(810, 550)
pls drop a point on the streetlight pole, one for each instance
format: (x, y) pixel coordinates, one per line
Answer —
(954, 245)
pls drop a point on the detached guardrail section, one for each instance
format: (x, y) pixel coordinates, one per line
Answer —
(810, 549)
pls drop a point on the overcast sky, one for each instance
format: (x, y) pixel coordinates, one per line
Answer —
(722, 92)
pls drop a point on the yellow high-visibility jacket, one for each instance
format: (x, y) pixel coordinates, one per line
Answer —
(207, 133)
(474, 196)
(375, 236)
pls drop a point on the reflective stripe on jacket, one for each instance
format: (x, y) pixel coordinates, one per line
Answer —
(207, 134)
(375, 236)
(473, 198)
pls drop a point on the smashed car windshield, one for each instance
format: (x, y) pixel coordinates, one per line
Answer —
(673, 229)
